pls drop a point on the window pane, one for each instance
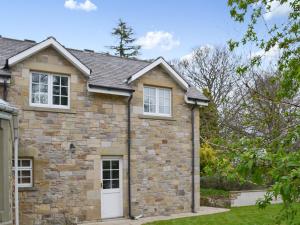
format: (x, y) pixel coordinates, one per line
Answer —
(35, 78)
(115, 174)
(64, 81)
(152, 108)
(146, 91)
(56, 80)
(115, 184)
(64, 91)
(106, 174)
(44, 79)
(64, 100)
(55, 100)
(26, 180)
(35, 88)
(44, 88)
(44, 98)
(115, 164)
(167, 94)
(106, 164)
(161, 93)
(25, 173)
(161, 109)
(56, 90)
(146, 107)
(35, 98)
(152, 92)
(106, 184)
(167, 109)
(25, 163)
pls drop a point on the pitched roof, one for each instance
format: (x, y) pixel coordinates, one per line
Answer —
(106, 70)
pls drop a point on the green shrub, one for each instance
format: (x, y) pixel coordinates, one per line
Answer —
(215, 182)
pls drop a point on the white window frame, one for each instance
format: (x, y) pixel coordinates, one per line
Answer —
(50, 91)
(27, 168)
(157, 102)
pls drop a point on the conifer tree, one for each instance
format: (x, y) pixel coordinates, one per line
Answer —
(125, 47)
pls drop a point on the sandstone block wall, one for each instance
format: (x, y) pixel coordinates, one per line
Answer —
(67, 181)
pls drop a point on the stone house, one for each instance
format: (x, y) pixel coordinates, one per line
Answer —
(100, 136)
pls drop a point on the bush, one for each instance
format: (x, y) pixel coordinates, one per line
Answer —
(215, 182)
(207, 157)
(209, 192)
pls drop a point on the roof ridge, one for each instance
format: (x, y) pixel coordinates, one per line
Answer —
(109, 55)
(14, 39)
(80, 50)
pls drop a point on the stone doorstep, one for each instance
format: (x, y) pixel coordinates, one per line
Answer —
(203, 211)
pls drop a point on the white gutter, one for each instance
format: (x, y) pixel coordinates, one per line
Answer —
(16, 156)
(199, 103)
(107, 91)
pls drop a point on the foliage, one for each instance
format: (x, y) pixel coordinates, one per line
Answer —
(209, 119)
(125, 47)
(277, 158)
(209, 192)
(207, 156)
(249, 215)
(222, 183)
(284, 36)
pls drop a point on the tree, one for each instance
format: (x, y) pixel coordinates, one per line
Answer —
(125, 47)
(211, 69)
(280, 165)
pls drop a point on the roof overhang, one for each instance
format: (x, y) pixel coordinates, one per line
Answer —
(160, 62)
(57, 46)
(109, 90)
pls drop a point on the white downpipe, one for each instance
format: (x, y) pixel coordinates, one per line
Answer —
(16, 147)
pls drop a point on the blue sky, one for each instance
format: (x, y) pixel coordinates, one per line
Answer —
(169, 28)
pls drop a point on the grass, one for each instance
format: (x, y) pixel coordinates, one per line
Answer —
(248, 215)
(208, 192)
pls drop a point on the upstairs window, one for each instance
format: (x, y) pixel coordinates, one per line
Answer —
(157, 101)
(49, 90)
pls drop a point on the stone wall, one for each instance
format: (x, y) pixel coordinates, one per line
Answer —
(162, 156)
(66, 182)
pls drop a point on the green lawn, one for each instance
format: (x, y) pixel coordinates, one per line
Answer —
(249, 215)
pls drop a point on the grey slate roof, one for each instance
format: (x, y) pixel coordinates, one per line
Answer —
(107, 71)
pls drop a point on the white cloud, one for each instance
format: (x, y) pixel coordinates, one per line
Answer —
(158, 39)
(272, 54)
(277, 10)
(87, 5)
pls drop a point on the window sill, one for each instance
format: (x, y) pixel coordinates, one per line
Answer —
(21, 189)
(56, 110)
(151, 117)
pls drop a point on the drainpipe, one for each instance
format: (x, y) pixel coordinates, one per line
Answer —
(5, 90)
(129, 155)
(193, 157)
(16, 147)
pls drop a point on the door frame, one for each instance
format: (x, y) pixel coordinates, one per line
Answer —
(120, 159)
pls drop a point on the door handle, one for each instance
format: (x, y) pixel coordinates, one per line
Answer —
(101, 184)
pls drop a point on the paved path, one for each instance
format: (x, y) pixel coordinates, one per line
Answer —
(203, 211)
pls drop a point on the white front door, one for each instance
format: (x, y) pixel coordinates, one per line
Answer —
(111, 188)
